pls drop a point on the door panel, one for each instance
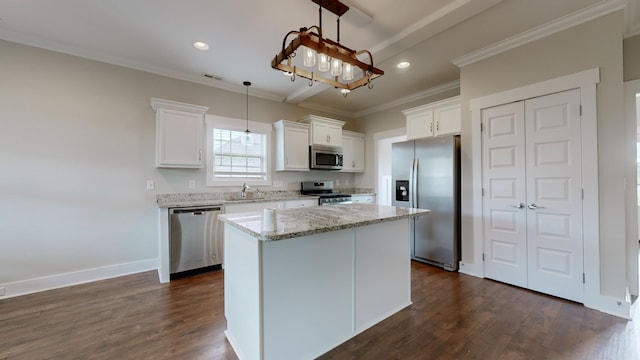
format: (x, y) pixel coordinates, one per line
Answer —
(436, 233)
(503, 167)
(554, 185)
(402, 154)
(532, 203)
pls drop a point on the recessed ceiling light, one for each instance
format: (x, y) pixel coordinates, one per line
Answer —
(403, 65)
(201, 45)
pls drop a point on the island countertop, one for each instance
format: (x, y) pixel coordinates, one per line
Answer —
(299, 222)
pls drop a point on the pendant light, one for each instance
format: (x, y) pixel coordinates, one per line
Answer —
(323, 59)
(246, 137)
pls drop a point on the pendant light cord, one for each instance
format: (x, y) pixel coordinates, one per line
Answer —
(247, 84)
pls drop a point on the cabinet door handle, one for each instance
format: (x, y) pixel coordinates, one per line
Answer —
(200, 155)
(431, 128)
(438, 126)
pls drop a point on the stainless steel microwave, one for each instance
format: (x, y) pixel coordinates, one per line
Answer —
(325, 157)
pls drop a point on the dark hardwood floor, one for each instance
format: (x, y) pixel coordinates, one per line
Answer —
(453, 316)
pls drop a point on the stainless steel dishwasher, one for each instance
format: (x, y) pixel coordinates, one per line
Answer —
(195, 238)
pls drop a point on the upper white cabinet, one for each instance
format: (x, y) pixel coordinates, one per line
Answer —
(352, 151)
(435, 119)
(324, 131)
(292, 146)
(179, 134)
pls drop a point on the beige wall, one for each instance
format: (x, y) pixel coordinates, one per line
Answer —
(597, 43)
(77, 146)
(632, 58)
(386, 120)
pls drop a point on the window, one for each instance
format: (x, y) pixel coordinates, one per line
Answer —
(232, 163)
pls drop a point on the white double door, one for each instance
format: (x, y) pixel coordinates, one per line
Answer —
(532, 202)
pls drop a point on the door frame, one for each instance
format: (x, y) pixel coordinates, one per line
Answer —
(632, 105)
(586, 81)
(376, 150)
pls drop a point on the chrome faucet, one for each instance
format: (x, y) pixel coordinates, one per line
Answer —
(243, 193)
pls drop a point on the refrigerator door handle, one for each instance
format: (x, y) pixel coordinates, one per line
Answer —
(414, 184)
(410, 189)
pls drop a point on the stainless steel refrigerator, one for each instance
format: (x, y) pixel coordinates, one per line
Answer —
(426, 175)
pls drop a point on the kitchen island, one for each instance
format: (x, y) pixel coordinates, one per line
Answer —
(321, 277)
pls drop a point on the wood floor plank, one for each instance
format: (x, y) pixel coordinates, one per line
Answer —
(453, 316)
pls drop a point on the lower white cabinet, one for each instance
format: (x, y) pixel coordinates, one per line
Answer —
(290, 204)
(363, 199)
(352, 151)
(259, 206)
(252, 206)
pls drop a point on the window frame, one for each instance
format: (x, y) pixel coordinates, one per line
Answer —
(227, 123)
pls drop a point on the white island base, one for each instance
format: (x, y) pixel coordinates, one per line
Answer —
(301, 297)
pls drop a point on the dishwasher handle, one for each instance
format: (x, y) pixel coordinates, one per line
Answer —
(195, 211)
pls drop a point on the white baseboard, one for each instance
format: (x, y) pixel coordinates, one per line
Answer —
(471, 269)
(30, 286)
(611, 305)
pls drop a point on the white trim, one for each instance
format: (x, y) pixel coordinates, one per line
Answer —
(631, 88)
(576, 18)
(164, 262)
(57, 281)
(586, 81)
(632, 18)
(96, 55)
(237, 125)
(178, 106)
(376, 139)
(452, 85)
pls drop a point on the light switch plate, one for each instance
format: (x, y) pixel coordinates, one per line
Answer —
(150, 185)
(192, 184)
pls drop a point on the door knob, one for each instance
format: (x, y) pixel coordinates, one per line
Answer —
(518, 205)
(533, 206)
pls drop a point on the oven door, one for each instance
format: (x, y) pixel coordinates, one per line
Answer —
(325, 158)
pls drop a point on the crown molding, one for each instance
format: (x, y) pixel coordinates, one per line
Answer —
(632, 19)
(602, 8)
(103, 57)
(312, 106)
(401, 101)
(407, 99)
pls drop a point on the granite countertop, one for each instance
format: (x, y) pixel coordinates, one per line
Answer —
(221, 198)
(204, 199)
(299, 222)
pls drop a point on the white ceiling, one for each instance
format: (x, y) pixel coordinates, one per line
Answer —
(157, 36)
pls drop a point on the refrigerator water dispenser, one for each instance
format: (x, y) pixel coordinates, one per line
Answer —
(402, 190)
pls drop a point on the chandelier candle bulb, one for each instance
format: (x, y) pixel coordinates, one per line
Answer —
(347, 72)
(323, 62)
(336, 67)
(309, 57)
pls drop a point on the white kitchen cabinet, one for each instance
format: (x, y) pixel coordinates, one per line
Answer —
(179, 134)
(290, 204)
(292, 146)
(352, 151)
(324, 131)
(435, 119)
(363, 199)
(252, 206)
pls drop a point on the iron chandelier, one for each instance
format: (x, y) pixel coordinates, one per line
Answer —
(336, 64)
